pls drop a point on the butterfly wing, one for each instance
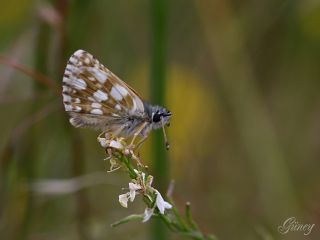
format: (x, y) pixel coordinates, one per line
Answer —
(94, 96)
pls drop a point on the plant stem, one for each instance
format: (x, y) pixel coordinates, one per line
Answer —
(190, 220)
(158, 69)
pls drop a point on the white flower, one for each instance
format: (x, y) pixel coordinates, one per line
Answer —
(133, 187)
(133, 190)
(103, 142)
(123, 200)
(147, 214)
(116, 144)
(161, 204)
(142, 184)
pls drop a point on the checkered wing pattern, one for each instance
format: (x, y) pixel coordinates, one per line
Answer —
(94, 96)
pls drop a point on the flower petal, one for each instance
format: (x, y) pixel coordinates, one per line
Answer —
(162, 205)
(132, 195)
(103, 142)
(143, 175)
(123, 200)
(116, 144)
(147, 214)
(134, 186)
(149, 181)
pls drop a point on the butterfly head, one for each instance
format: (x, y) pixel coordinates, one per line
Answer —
(160, 116)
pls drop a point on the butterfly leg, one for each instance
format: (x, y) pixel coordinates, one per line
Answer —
(104, 134)
(139, 144)
(136, 134)
(102, 138)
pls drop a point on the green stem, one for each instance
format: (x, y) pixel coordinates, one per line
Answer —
(129, 166)
(179, 218)
(159, 11)
(129, 218)
(190, 220)
(167, 222)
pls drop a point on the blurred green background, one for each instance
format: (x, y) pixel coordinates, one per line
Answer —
(242, 79)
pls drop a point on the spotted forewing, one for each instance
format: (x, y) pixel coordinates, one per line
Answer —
(94, 96)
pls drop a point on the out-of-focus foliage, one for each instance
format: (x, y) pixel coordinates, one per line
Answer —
(243, 85)
(13, 16)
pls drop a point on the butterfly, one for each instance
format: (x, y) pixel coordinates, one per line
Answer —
(95, 97)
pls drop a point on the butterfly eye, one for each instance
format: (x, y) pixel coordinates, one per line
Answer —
(156, 117)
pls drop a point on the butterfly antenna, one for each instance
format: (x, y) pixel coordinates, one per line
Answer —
(165, 135)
